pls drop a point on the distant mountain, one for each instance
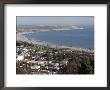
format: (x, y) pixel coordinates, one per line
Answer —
(47, 27)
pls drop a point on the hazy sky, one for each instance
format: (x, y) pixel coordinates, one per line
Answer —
(52, 20)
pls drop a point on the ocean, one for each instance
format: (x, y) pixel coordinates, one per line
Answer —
(82, 38)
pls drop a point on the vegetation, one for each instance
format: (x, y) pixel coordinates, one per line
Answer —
(79, 62)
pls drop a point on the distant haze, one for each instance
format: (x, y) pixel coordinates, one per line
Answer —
(55, 20)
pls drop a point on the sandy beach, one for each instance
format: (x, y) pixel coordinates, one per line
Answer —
(21, 37)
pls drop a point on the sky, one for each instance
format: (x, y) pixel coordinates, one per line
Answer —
(55, 20)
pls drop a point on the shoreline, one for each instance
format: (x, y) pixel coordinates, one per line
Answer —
(20, 37)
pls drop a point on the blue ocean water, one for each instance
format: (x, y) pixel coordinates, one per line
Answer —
(82, 38)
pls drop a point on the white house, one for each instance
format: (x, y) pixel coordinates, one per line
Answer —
(20, 58)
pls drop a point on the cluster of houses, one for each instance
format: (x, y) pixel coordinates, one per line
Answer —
(50, 61)
(37, 62)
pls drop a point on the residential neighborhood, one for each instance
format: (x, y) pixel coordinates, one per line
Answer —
(37, 59)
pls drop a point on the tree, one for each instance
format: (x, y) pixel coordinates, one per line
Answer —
(87, 66)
